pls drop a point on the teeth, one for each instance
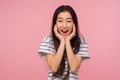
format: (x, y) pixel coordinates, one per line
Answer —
(64, 31)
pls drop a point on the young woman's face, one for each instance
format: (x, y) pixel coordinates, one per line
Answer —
(64, 23)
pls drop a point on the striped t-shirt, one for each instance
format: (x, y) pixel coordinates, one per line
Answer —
(47, 47)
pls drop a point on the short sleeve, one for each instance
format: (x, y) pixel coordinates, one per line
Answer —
(46, 47)
(83, 50)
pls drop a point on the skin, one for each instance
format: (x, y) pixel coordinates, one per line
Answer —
(64, 22)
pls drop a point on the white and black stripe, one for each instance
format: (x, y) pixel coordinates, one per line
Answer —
(47, 47)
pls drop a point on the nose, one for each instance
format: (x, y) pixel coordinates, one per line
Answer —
(64, 24)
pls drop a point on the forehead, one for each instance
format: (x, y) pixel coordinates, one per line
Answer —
(64, 15)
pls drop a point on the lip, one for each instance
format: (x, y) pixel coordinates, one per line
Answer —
(64, 32)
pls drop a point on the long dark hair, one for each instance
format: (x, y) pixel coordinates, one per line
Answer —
(75, 41)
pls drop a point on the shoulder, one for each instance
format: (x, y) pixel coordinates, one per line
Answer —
(47, 38)
(82, 39)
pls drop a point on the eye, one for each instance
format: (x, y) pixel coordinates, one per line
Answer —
(69, 21)
(59, 20)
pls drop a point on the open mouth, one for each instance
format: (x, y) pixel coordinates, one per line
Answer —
(64, 31)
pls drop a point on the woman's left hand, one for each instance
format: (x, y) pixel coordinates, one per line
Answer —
(72, 34)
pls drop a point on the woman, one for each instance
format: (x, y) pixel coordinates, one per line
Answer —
(64, 49)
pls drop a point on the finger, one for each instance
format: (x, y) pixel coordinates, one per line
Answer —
(55, 29)
(74, 28)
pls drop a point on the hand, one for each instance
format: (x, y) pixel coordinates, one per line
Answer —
(72, 34)
(57, 34)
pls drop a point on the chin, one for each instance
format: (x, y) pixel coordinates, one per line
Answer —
(65, 37)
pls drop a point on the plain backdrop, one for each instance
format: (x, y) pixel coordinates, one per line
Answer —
(24, 23)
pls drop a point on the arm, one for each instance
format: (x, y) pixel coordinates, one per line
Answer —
(74, 61)
(55, 60)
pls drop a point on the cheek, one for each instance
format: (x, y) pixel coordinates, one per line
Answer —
(58, 28)
(59, 24)
(71, 30)
(69, 25)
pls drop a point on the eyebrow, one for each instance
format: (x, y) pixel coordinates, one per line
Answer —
(62, 18)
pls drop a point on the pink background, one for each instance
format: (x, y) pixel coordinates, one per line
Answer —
(24, 23)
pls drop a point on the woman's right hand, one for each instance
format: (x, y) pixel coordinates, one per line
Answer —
(57, 34)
